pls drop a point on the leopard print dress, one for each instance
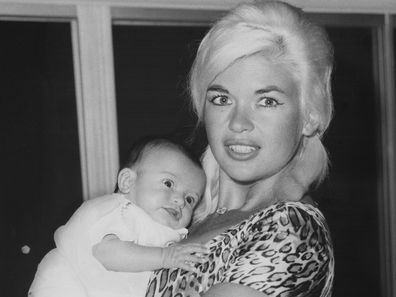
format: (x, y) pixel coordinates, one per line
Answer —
(283, 250)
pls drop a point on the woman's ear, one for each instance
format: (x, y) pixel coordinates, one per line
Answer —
(311, 125)
(126, 180)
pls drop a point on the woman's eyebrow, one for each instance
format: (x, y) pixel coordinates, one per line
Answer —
(269, 89)
(217, 88)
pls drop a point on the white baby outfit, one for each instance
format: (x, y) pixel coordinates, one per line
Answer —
(70, 270)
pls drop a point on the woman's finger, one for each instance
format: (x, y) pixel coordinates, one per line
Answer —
(196, 248)
(199, 258)
(193, 259)
(185, 265)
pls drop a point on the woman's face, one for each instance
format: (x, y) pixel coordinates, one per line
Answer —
(252, 118)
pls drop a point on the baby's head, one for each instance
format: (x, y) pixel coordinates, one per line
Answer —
(164, 179)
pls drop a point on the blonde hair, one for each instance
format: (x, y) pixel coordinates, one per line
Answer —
(280, 33)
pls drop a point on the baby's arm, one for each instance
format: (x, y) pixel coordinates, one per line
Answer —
(126, 256)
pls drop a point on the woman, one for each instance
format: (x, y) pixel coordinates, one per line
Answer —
(260, 84)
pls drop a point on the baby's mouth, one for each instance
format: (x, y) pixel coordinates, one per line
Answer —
(173, 212)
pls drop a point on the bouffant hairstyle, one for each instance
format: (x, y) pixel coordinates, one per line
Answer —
(281, 33)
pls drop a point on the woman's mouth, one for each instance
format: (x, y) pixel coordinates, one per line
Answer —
(242, 152)
(242, 149)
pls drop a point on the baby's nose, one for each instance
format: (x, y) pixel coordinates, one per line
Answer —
(178, 199)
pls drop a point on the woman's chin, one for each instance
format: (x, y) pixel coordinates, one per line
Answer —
(243, 176)
(247, 175)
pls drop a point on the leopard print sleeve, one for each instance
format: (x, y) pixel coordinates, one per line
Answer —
(284, 250)
(288, 252)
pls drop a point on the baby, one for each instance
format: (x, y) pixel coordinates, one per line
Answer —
(110, 244)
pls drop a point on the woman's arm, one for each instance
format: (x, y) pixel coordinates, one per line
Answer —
(289, 251)
(117, 255)
(231, 290)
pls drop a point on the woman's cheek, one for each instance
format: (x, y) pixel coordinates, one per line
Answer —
(292, 129)
(214, 121)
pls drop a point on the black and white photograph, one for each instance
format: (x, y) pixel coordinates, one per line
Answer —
(198, 148)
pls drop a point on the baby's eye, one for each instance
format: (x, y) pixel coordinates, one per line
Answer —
(190, 200)
(168, 183)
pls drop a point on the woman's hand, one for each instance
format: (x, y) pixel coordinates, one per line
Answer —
(184, 256)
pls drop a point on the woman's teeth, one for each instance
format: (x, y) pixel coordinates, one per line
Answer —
(242, 149)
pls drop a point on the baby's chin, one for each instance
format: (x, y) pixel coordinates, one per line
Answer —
(173, 224)
(177, 226)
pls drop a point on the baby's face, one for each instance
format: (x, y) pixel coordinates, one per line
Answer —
(168, 186)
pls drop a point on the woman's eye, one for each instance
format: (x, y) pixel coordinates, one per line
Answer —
(269, 102)
(220, 100)
(168, 183)
(190, 200)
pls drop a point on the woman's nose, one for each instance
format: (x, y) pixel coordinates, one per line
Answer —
(240, 120)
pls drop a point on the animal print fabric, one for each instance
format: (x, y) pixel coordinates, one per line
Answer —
(283, 250)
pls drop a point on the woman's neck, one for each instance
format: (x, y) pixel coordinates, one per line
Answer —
(245, 197)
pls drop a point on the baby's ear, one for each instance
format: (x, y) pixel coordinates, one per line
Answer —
(126, 180)
(311, 125)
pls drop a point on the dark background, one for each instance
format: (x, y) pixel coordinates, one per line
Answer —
(41, 177)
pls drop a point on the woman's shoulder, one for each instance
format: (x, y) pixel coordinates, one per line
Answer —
(285, 242)
(294, 213)
(286, 218)
(286, 224)
(289, 239)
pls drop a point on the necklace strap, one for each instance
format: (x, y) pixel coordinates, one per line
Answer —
(221, 210)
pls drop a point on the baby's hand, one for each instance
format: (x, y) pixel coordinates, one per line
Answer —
(184, 256)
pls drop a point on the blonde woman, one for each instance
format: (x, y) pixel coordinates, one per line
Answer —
(260, 85)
